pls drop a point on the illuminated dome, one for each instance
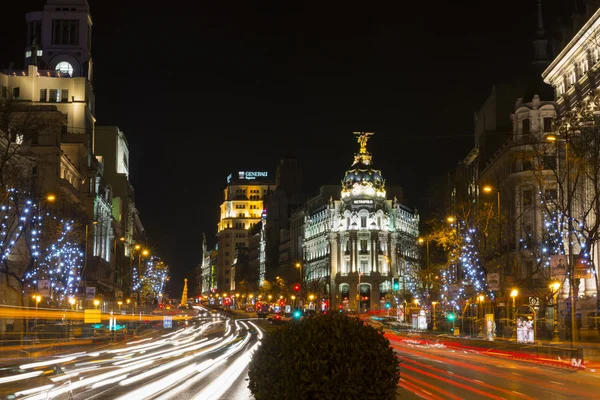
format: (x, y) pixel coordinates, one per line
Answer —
(362, 180)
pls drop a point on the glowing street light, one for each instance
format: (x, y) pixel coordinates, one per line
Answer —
(434, 303)
(555, 286)
(96, 303)
(514, 293)
(37, 299)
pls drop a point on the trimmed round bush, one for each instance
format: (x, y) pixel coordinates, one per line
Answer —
(326, 357)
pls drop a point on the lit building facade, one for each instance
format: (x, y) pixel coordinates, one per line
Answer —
(574, 76)
(57, 77)
(354, 246)
(240, 211)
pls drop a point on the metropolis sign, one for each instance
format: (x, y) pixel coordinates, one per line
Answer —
(363, 201)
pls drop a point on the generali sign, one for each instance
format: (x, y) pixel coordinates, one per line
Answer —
(250, 175)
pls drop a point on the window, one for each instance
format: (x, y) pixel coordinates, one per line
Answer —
(527, 198)
(526, 124)
(43, 94)
(551, 194)
(527, 165)
(363, 222)
(547, 124)
(549, 162)
(364, 266)
(64, 95)
(64, 68)
(4, 92)
(65, 31)
(363, 246)
(54, 95)
(16, 92)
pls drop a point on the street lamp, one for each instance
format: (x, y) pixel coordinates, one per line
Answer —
(555, 286)
(120, 303)
(433, 303)
(422, 240)
(572, 285)
(490, 189)
(514, 293)
(96, 303)
(481, 298)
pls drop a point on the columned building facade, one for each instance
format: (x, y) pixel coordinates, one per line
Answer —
(354, 245)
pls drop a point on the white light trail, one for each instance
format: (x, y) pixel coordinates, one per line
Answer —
(147, 391)
(154, 371)
(20, 377)
(46, 363)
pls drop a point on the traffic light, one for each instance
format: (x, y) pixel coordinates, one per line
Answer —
(450, 316)
(296, 287)
(297, 314)
(388, 305)
(395, 284)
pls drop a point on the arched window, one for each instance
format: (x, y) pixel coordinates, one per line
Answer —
(65, 68)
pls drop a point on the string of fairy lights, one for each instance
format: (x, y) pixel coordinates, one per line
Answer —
(153, 278)
(55, 257)
(472, 277)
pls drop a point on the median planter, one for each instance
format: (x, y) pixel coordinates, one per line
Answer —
(326, 357)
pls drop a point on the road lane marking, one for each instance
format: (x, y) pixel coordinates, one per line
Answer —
(558, 383)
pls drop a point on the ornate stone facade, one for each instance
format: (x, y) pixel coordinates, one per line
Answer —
(355, 245)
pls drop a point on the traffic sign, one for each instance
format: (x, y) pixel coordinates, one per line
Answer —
(167, 321)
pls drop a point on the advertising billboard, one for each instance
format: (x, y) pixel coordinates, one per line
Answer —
(558, 266)
(493, 280)
(525, 330)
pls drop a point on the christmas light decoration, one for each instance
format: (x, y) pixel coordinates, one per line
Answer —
(61, 264)
(468, 276)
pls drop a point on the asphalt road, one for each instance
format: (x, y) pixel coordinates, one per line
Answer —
(207, 359)
(436, 372)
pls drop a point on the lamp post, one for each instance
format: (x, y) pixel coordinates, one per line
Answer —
(426, 241)
(572, 284)
(37, 299)
(555, 286)
(514, 293)
(96, 303)
(433, 303)
(481, 298)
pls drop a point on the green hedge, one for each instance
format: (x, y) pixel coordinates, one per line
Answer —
(326, 357)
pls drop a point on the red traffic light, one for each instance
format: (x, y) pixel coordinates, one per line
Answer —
(296, 287)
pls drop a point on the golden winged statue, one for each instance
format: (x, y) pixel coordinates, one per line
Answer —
(362, 138)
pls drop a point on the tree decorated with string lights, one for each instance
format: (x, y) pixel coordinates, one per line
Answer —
(153, 278)
(571, 212)
(468, 243)
(61, 260)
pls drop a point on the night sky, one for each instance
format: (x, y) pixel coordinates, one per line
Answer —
(202, 90)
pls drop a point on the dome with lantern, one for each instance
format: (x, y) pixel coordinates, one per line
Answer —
(362, 180)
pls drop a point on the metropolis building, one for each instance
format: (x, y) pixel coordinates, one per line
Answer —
(355, 245)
